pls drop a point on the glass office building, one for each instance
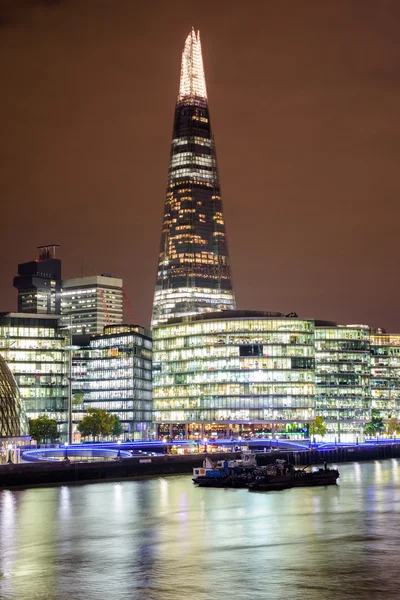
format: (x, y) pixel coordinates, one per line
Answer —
(385, 374)
(88, 304)
(13, 420)
(194, 273)
(233, 373)
(342, 372)
(114, 373)
(34, 349)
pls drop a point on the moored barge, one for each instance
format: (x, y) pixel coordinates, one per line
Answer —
(245, 473)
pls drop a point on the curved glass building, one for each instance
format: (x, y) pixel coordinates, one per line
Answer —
(13, 420)
(233, 372)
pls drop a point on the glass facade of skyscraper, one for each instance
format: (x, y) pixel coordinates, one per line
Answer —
(114, 373)
(34, 349)
(385, 374)
(233, 372)
(343, 396)
(88, 304)
(193, 270)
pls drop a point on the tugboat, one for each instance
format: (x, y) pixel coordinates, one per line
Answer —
(226, 473)
(281, 476)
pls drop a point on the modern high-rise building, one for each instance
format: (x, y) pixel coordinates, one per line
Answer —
(39, 283)
(34, 348)
(385, 373)
(342, 374)
(113, 373)
(194, 274)
(13, 419)
(233, 373)
(88, 304)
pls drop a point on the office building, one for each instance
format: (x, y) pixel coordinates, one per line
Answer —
(113, 372)
(385, 374)
(233, 373)
(39, 283)
(90, 303)
(342, 372)
(13, 419)
(194, 274)
(34, 348)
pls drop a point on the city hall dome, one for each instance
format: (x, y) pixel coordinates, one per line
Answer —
(13, 420)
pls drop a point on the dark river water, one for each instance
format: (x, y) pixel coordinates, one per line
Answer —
(165, 539)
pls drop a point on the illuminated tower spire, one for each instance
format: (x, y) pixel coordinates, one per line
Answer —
(193, 269)
(192, 83)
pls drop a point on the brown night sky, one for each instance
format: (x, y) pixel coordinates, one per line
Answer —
(304, 100)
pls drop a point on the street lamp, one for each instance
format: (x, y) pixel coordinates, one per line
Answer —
(119, 448)
(66, 451)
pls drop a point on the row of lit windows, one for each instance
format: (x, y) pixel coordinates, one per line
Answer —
(342, 358)
(115, 384)
(342, 368)
(28, 332)
(31, 344)
(234, 377)
(226, 389)
(101, 373)
(192, 158)
(200, 174)
(233, 340)
(281, 402)
(114, 365)
(117, 394)
(342, 346)
(234, 325)
(42, 392)
(36, 356)
(227, 415)
(342, 333)
(168, 364)
(217, 353)
(184, 141)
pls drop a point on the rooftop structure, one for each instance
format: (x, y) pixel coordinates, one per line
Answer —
(39, 283)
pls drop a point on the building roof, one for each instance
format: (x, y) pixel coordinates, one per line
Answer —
(232, 314)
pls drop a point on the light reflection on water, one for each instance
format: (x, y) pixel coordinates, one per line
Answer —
(165, 539)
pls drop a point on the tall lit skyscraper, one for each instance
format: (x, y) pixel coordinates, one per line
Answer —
(194, 274)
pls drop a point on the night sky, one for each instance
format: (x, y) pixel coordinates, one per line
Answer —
(304, 100)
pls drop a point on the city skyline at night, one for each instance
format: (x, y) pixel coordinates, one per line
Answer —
(307, 138)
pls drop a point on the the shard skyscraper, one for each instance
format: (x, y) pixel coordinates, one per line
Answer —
(194, 273)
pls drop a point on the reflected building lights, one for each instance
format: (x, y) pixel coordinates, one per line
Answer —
(395, 470)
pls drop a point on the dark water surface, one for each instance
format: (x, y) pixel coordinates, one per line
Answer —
(165, 539)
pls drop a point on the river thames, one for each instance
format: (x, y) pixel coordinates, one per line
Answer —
(164, 539)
